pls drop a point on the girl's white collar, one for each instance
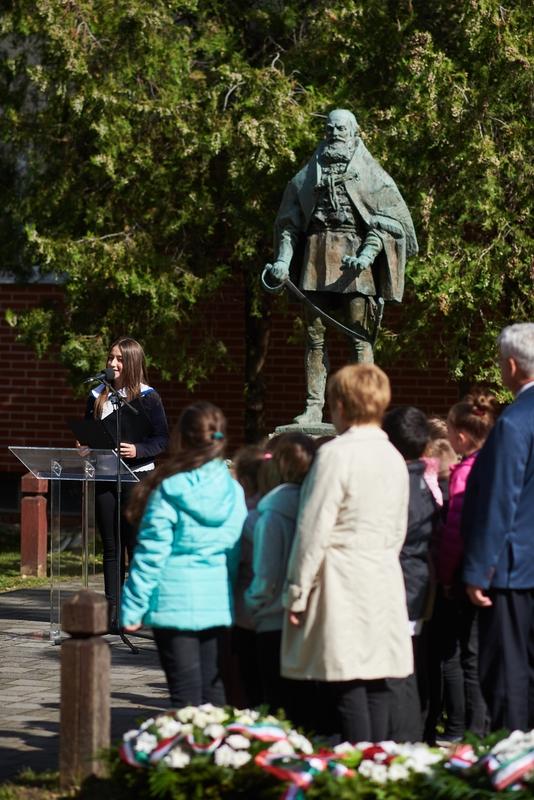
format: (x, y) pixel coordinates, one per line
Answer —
(100, 388)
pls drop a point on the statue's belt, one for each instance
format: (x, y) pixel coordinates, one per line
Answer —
(288, 284)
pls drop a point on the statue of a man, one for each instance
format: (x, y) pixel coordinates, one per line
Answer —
(356, 233)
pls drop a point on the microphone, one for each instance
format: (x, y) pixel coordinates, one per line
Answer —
(107, 375)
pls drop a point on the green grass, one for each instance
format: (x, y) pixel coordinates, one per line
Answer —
(30, 785)
(10, 577)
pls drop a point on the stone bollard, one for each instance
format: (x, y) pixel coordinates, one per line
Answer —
(85, 688)
(33, 527)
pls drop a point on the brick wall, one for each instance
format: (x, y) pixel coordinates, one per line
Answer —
(36, 398)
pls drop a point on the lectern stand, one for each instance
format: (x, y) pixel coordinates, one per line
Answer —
(71, 464)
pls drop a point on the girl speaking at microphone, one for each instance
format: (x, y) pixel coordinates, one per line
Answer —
(143, 437)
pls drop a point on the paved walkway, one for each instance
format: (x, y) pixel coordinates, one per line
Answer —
(29, 684)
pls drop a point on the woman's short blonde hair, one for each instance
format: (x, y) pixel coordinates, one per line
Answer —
(363, 391)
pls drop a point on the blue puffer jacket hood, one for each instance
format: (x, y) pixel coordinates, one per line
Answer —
(273, 537)
(283, 499)
(207, 494)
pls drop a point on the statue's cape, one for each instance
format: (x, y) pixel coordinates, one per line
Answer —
(377, 199)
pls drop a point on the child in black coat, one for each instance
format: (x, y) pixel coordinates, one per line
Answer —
(408, 430)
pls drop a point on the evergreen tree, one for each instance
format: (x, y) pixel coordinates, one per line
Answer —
(146, 145)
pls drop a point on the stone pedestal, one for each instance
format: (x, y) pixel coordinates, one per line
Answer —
(317, 430)
(33, 526)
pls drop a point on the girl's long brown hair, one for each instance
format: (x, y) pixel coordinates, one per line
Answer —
(133, 371)
(475, 414)
(287, 459)
(198, 437)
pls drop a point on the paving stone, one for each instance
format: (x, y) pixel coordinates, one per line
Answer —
(29, 684)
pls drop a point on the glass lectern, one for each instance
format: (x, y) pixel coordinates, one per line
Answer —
(70, 464)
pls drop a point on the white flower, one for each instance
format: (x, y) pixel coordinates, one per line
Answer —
(218, 715)
(241, 758)
(177, 758)
(379, 773)
(200, 719)
(300, 742)
(282, 748)
(213, 713)
(366, 767)
(186, 714)
(246, 716)
(398, 772)
(129, 735)
(245, 719)
(237, 741)
(226, 757)
(146, 724)
(375, 772)
(214, 730)
(206, 707)
(416, 757)
(146, 742)
(391, 748)
(517, 742)
(344, 747)
(168, 726)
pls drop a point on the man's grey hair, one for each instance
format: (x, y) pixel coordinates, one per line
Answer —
(517, 342)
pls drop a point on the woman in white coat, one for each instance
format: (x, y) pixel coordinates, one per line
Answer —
(347, 623)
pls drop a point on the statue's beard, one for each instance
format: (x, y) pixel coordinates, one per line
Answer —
(338, 152)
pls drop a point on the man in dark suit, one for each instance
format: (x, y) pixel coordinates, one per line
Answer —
(498, 529)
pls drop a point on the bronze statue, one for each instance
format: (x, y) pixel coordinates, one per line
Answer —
(356, 234)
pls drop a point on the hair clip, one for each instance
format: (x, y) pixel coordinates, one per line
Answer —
(478, 412)
(267, 456)
(217, 435)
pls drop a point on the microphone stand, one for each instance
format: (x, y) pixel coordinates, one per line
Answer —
(118, 401)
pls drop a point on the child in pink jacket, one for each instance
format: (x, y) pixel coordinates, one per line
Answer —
(469, 423)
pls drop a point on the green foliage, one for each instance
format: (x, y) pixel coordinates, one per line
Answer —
(443, 785)
(147, 143)
(444, 95)
(30, 785)
(129, 170)
(202, 780)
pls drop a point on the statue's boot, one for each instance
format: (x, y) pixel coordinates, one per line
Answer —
(316, 369)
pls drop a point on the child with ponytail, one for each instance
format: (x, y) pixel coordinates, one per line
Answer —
(468, 423)
(191, 512)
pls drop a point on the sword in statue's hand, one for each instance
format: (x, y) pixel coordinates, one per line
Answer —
(280, 272)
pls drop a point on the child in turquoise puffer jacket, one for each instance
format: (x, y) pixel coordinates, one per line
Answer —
(186, 557)
(279, 480)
